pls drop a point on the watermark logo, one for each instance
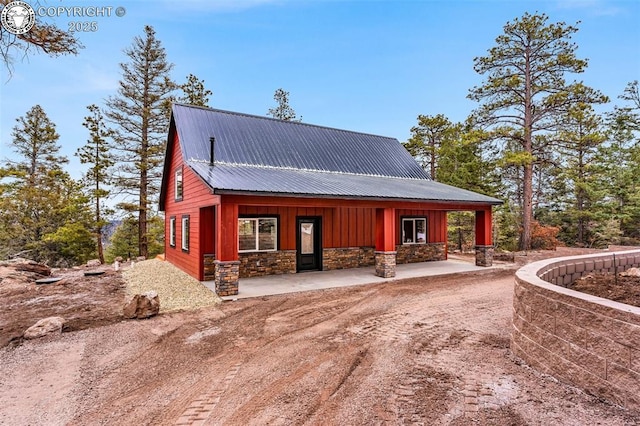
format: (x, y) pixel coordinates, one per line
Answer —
(17, 17)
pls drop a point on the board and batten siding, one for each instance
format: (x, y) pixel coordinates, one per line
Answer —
(345, 226)
(197, 202)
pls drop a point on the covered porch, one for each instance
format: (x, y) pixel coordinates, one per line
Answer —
(293, 283)
(390, 233)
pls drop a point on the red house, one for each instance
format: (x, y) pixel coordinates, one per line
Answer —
(245, 196)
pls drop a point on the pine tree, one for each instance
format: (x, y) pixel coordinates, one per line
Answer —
(621, 164)
(43, 37)
(195, 92)
(283, 110)
(580, 138)
(427, 138)
(140, 115)
(40, 200)
(524, 94)
(96, 153)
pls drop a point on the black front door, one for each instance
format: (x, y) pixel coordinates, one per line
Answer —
(309, 244)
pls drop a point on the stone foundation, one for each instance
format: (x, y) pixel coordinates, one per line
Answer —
(385, 264)
(345, 258)
(257, 264)
(209, 267)
(227, 277)
(484, 255)
(414, 253)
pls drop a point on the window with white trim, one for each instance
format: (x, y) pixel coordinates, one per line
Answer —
(257, 234)
(178, 184)
(414, 230)
(172, 231)
(185, 233)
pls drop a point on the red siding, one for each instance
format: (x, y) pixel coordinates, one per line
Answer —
(195, 200)
(341, 226)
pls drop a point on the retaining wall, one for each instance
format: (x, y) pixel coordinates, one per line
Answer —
(584, 340)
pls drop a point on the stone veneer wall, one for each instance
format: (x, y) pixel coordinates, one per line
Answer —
(345, 258)
(414, 253)
(209, 267)
(226, 277)
(386, 264)
(588, 341)
(256, 264)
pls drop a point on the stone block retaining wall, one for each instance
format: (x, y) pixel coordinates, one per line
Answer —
(344, 258)
(413, 253)
(588, 341)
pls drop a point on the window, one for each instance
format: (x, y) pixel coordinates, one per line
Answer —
(185, 233)
(257, 234)
(172, 231)
(178, 184)
(414, 230)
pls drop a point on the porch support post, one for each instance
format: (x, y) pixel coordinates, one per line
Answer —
(227, 265)
(484, 243)
(385, 242)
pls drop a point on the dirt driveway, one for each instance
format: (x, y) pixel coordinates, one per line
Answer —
(423, 351)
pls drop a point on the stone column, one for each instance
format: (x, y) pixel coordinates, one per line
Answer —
(227, 275)
(386, 264)
(484, 255)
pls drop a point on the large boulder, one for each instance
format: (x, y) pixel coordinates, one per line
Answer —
(93, 263)
(142, 305)
(45, 326)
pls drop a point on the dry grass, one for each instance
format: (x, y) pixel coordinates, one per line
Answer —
(177, 290)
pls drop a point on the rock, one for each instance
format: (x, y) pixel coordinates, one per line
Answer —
(93, 263)
(631, 272)
(140, 258)
(26, 265)
(45, 326)
(118, 259)
(142, 305)
(504, 256)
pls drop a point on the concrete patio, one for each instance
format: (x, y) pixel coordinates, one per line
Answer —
(306, 281)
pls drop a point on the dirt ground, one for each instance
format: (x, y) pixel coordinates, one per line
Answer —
(425, 351)
(623, 289)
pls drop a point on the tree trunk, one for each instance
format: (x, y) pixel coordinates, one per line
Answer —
(527, 184)
(527, 207)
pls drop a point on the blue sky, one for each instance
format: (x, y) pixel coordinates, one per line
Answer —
(369, 66)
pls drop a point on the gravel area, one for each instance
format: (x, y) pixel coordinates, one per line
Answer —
(177, 290)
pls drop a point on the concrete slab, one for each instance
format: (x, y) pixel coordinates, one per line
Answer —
(306, 281)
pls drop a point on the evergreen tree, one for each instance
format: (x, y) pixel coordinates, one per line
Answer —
(39, 198)
(427, 138)
(43, 37)
(525, 93)
(283, 110)
(195, 92)
(581, 136)
(621, 164)
(97, 178)
(140, 114)
(124, 241)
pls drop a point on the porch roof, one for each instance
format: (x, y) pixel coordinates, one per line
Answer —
(261, 180)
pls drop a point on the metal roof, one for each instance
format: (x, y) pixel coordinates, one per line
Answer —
(292, 182)
(248, 139)
(260, 155)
